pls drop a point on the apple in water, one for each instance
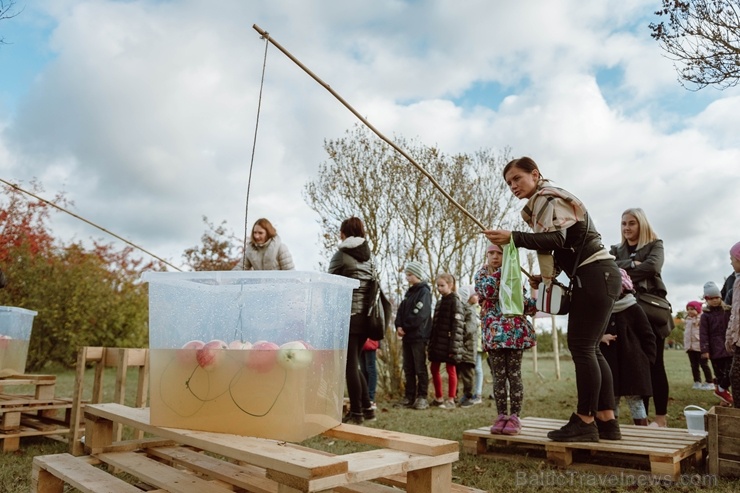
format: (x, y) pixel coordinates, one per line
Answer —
(239, 352)
(186, 354)
(5, 341)
(240, 345)
(263, 356)
(294, 355)
(210, 355)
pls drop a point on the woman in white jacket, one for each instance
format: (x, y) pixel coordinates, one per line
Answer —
(265, 251)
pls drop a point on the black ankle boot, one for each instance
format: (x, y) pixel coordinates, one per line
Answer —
(576, 430)
(353, 418)
(608, 430)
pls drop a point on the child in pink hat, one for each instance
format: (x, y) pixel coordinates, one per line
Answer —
(692, 345)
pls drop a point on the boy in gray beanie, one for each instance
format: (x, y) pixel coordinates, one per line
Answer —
(414, 324)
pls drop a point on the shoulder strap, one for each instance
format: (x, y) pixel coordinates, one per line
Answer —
(583, 244)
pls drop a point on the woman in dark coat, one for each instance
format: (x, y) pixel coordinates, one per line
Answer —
(629, 347)
(641, 255)
(446, 341)
(353, 260)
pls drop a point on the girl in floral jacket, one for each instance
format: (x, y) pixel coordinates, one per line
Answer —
(505, 339)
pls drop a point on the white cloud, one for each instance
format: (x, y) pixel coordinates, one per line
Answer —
(146, 116)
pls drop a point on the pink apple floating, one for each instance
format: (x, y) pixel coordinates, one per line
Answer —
(186, 354)
(210, 355)
(5, 341)
(263, 356)
(240, 345)
(294, 355)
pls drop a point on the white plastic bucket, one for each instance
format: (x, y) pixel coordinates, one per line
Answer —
(695, 420)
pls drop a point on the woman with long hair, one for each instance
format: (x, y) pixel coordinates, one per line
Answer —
(265, 249)
(640, 253)
(566, 240)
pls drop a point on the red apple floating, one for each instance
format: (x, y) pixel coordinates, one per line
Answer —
(263, 356)
(5, 341)
(210, 355)
(294, 355)
(186, 355)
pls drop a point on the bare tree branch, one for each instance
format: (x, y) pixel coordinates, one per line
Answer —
(7, 12)
(703, 36)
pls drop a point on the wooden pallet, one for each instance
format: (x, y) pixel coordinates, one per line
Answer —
(34, 413)
(723, 427)
(101, 358)
(189, 461)
(661, 451)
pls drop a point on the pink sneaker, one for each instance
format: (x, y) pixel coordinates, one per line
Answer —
(723, 394)
(499, 424)
(513, 426)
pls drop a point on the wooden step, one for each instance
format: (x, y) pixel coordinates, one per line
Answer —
(664, 450)
(50, 473)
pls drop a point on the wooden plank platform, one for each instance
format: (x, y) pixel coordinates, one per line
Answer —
(195, 461)
(661, 451)
(28, 408)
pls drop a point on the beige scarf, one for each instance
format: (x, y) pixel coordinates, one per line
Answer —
(552, 208)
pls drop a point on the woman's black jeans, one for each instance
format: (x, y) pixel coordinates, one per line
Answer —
(596, 287)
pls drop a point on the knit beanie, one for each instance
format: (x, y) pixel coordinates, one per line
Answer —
(465, 292)
(626, 281)
(415, 268)
(494, 248)
(696, 305)
(711, 290)
(735, 250)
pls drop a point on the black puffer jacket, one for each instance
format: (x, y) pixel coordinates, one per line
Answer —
(448, 330)
(414, 313)
(353, 260)
(632, 354)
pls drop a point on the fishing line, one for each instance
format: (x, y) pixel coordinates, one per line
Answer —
(266, 37)
(370, 126)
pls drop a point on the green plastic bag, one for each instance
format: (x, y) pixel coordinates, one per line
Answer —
(511, 291)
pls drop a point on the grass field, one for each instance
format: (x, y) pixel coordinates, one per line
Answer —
(545, 396)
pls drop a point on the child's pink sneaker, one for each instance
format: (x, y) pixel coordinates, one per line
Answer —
(513, 426)
(499, 424)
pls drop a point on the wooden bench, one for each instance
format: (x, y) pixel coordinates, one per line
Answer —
(184, 462)
(662, 451)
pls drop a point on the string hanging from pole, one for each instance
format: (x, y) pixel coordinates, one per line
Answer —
(266, 37)
(395, 146)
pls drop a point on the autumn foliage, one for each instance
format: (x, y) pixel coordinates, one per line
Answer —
(84, 296)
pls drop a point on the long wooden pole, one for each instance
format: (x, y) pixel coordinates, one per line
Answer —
(326, 86)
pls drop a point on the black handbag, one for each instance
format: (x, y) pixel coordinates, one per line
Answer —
(659, 313)
(379, 310)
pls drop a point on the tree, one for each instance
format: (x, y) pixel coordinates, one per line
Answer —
(84, 297)
(218, 250)
(406, 218)
(7, 12)
(704, 37)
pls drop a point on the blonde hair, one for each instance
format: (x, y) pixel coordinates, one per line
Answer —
(449, 279)
(647, 234)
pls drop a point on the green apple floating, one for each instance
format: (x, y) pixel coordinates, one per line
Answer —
(294, 355)
(186, 355)
(210, 355)
(263, 356)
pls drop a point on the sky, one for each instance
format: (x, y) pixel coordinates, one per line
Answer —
(143, 112)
